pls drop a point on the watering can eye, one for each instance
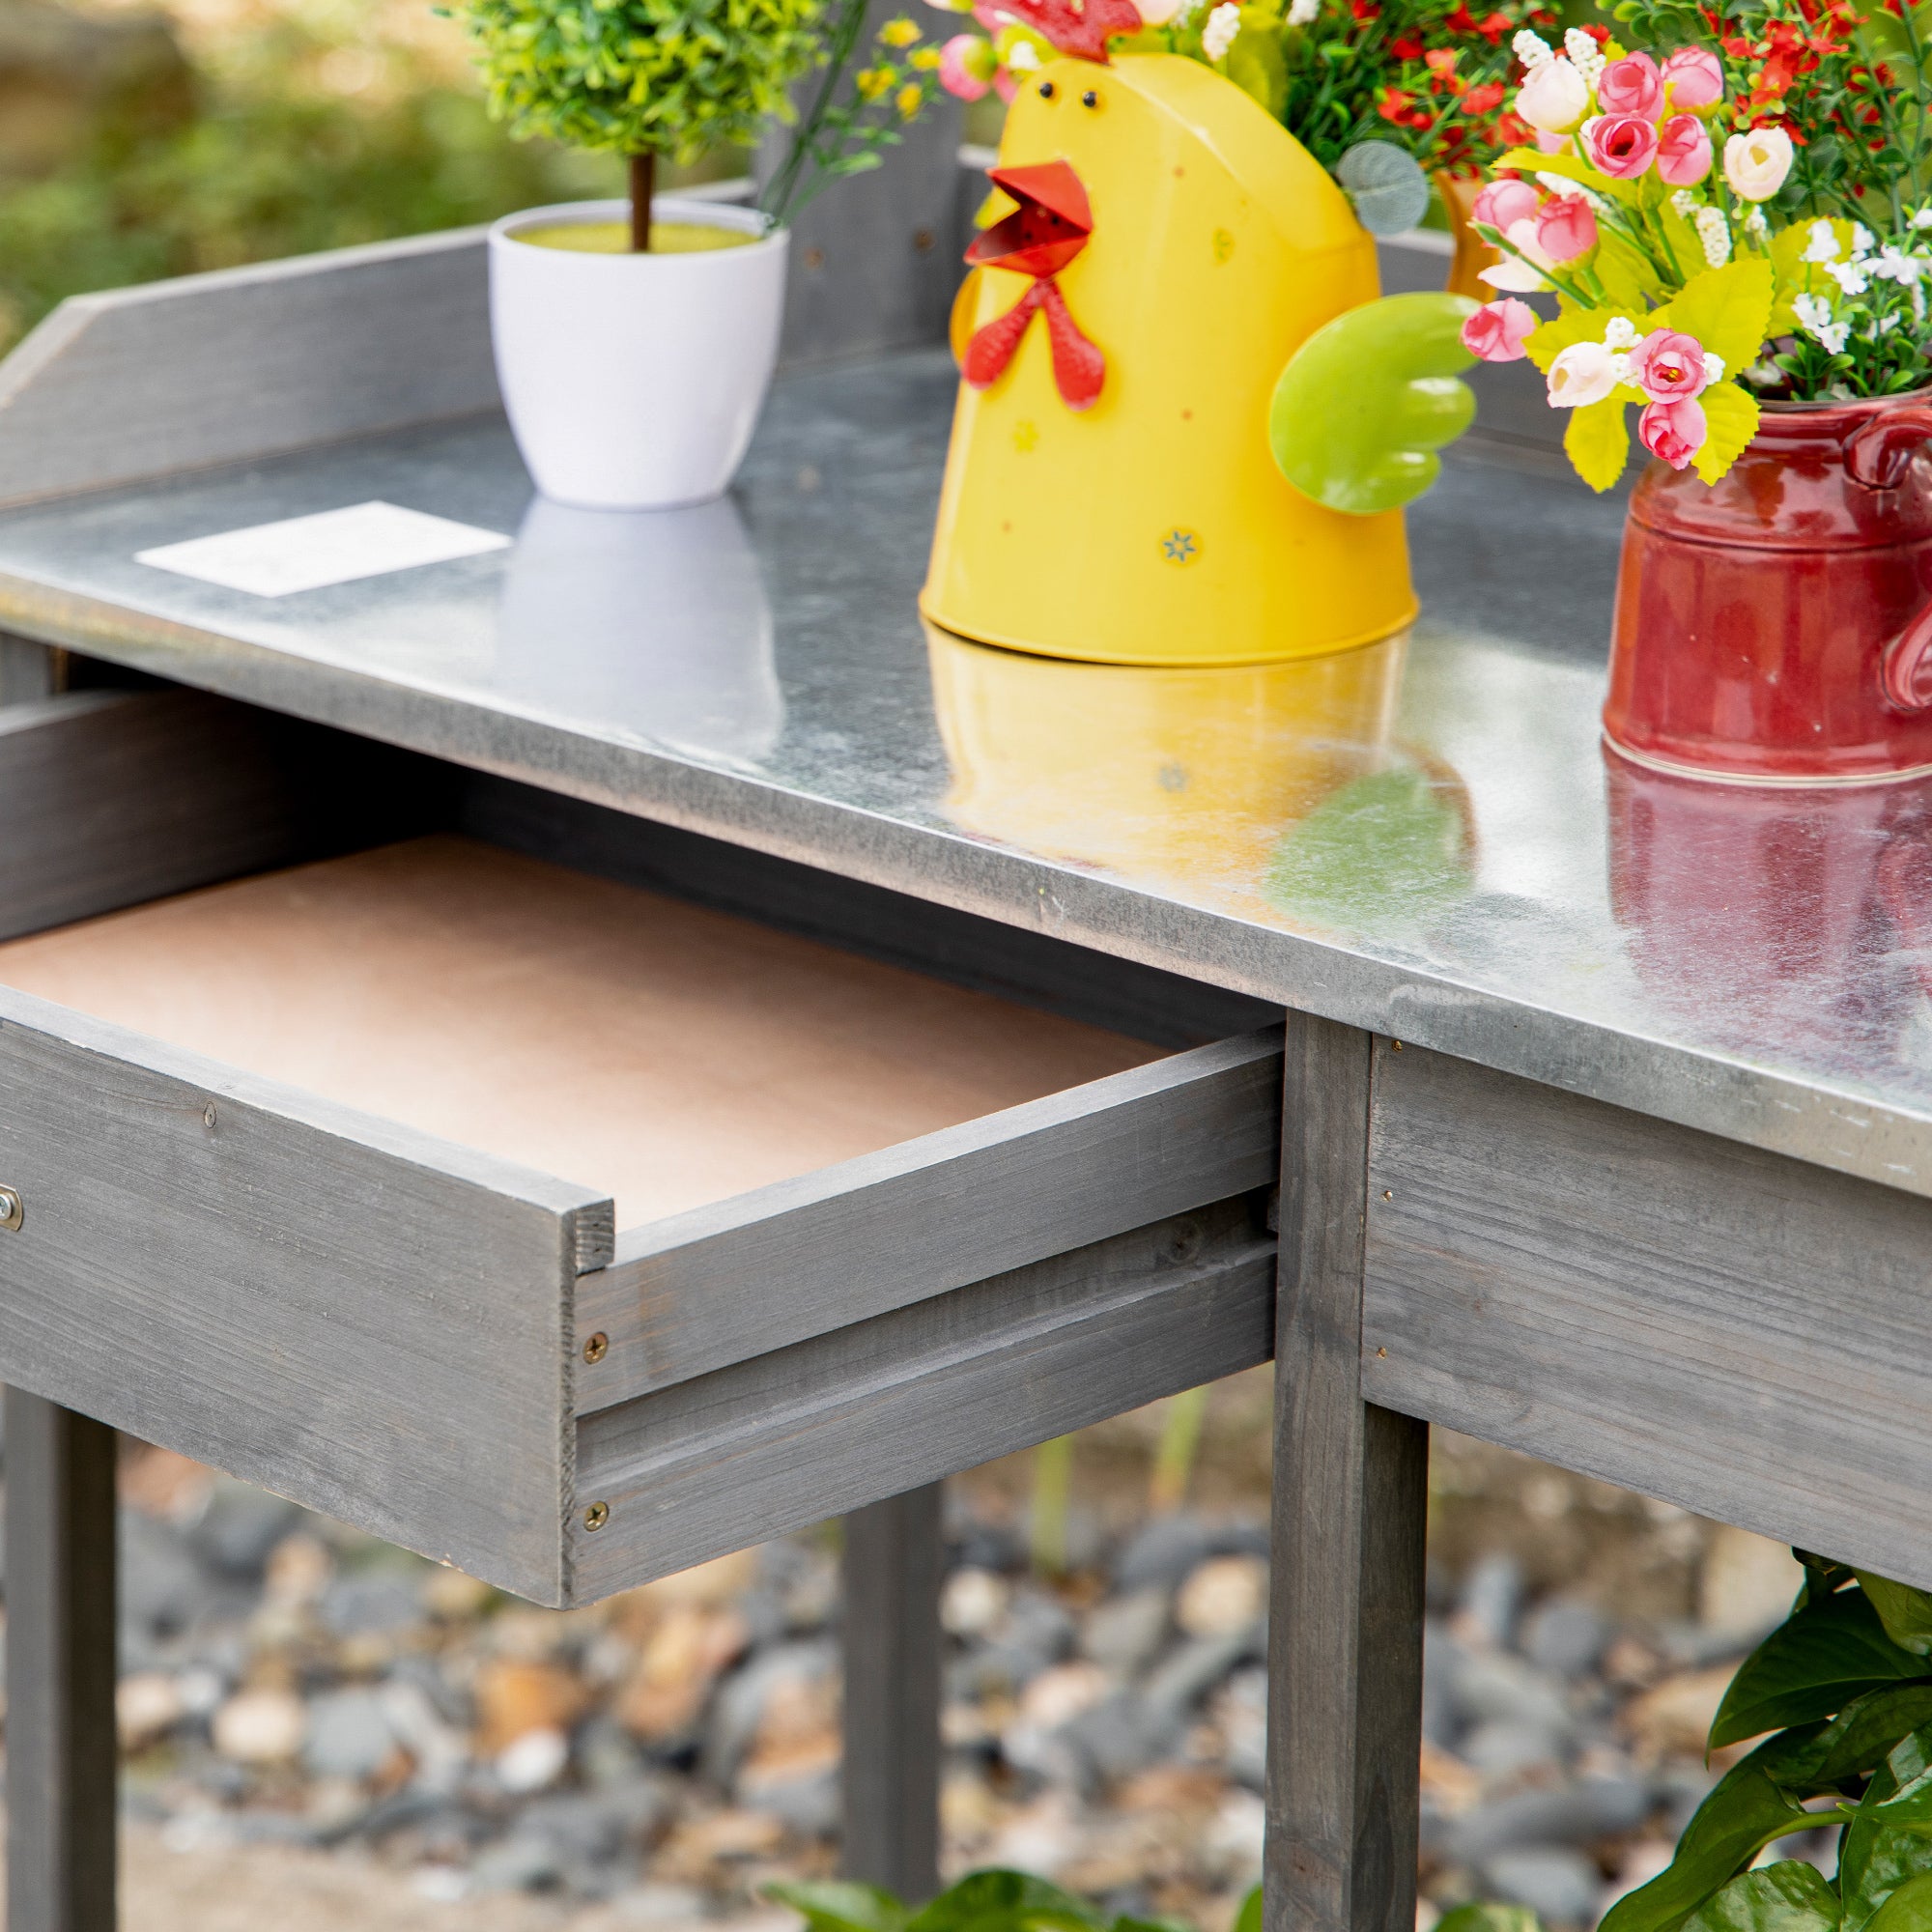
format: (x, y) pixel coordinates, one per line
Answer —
(1046, 90)
(1090, 98)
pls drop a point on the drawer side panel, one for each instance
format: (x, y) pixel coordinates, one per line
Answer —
(1732, 1330)
(367, 1321)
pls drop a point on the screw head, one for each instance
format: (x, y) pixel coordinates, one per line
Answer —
(597, 1515)
(12, 1210)
(597, 1347)
(208, 1115)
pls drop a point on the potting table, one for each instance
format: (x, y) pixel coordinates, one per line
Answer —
(1601, 1125)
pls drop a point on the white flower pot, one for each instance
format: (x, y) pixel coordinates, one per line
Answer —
(634, 382)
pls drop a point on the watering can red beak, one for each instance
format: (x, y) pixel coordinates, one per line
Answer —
(1051, 225)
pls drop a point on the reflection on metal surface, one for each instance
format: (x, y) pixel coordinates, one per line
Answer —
(1259, 790)
(1431, 856)
(657, 618)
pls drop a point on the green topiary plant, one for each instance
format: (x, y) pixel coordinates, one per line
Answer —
(982, 1901)
(671, 79)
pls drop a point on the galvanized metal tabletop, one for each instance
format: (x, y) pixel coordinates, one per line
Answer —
(1425, 840)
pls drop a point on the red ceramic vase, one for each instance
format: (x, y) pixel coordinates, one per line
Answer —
(1776, 628)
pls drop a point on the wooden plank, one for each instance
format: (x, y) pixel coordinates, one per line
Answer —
(29, 671)
(826, 1426)
(370, 1321)
(738, 1278)
(218, 368)
(1732, 1330)
(111, 798)
(1350, 1497)
(1032, 968)
(60, 1761)
(888, 1770)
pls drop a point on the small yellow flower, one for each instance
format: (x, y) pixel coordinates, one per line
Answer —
(873, 81)
(926, 59)
(911, 99)
(899, 33)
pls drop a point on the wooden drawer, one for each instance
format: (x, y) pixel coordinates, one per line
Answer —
(285, 1152)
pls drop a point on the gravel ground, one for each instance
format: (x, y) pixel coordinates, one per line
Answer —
(320, 1727)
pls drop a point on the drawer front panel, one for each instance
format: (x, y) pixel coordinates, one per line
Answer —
(699, 1291)
(1731, 1330)
(365, 1319)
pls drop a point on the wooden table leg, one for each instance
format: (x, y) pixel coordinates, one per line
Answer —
(1351, 1496)
(60, 1566)
(29, 671)
(890, 1785)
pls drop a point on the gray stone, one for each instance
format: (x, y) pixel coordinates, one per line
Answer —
(372, 1603)
(1503, 1746)
(1246, 1725)
(520, 1862)
(1490, 1599)
(1441, 1658)
(807, 1804)
(1486, 1686)
(162, 1587)
(1120, 1735)
(1191, 1669)
(1163, 1551)
(348, 1735)
(740, 1701)
(1577, 1814)
(1036, 1625)
(1561, 1886)
(240, 1525)
(1125, 1633)
(1566, 1637)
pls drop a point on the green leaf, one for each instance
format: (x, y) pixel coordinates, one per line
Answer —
(1249, 1917)
(1367, 401)
(1007, 1901)
(1730, 417)
(1888, 1842)
(1488, 1918)
(1790, 1896)
(1909, 1908)
(1811, 1666)
(1570, 167)
(1727, 309)
(1548, 340)
(1905, 1612)
(1744, 1811)
(1597, 442)
(1625, 273)
(1385, 184)
(1254, 62)
(1855, 1743)
(841, 1905)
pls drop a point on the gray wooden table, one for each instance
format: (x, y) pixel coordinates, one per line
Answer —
(1603, 1101)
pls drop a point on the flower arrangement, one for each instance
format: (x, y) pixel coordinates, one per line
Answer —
(1728, 224)
(650, 79)
(1427, 76)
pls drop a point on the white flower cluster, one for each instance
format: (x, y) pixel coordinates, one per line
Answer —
(1585, 55)
(1218, 35)
(1302, 11)
(1532, 50)
(1814, 317)
(1715, 233)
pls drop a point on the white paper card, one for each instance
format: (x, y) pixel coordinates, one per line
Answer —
(334, 546)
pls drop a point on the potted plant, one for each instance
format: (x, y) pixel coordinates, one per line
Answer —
(635, 341)
(1735, 233)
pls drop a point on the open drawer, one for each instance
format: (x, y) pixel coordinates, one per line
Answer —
(278, 1158)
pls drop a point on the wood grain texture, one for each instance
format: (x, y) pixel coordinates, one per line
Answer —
(360, 1317)
(1027, 967)
(889, 1638)
(829, 1425)
(1351, 1494)
(60, 1760)
(1732, 1330)
(699, 1291)
(179, 375)
(111, 798)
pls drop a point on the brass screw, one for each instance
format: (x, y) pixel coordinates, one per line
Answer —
(1381, 1354)
(597, 1347)
(597, 1515)
(1395, 1046)
(12, 1210)
(1388, 1193)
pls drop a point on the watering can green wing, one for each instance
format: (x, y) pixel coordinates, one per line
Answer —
(1367, 401)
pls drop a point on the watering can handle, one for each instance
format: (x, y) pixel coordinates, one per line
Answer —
(1877, 456)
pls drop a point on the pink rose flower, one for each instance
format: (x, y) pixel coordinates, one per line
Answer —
(1504, 203)
(1632, 85)
(1668, 366)
(1494, 333)
(1673, 431)
(966, 65)
(1622, 146)
(1693, 77)
(1565, 228)
(1684, 151)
